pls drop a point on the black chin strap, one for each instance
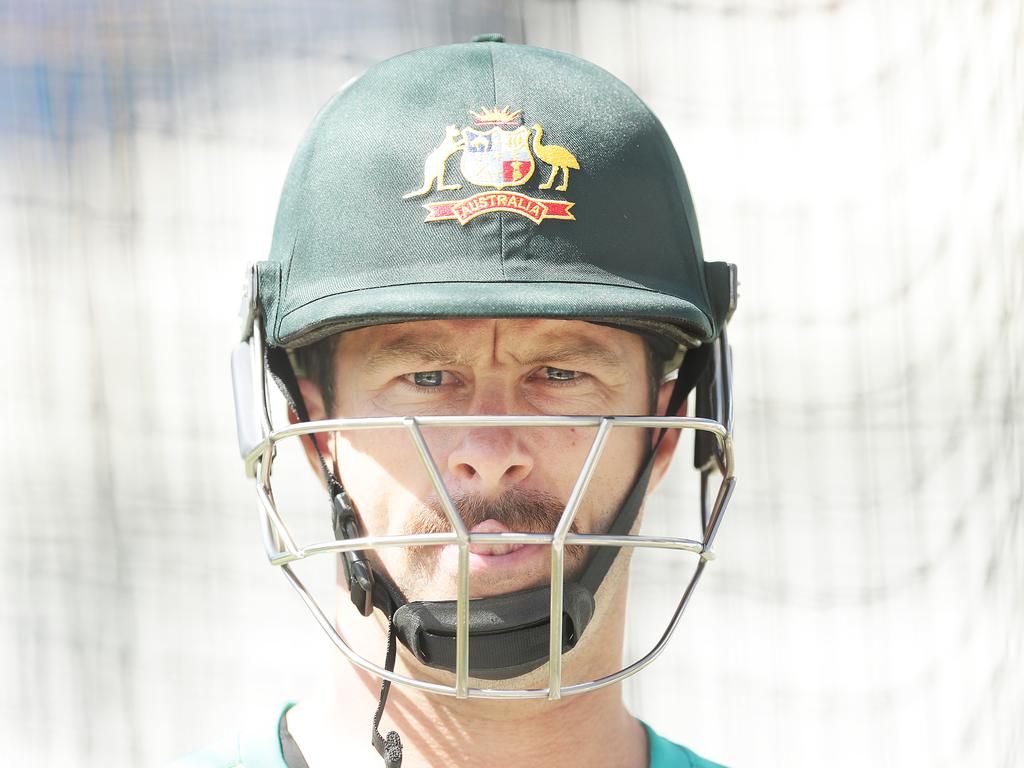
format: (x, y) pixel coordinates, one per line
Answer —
(389, 747)
(364, 590)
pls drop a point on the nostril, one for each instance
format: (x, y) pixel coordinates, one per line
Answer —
(464, 470)
(517, 472)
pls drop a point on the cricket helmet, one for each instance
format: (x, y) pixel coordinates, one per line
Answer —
(486, 180)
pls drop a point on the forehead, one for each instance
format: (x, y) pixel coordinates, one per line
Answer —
(472, 340)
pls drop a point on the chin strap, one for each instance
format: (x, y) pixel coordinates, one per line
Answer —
(389, 747)
(365, 591)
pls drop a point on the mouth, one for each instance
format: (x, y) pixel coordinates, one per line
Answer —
(489, 557)
(493, 550)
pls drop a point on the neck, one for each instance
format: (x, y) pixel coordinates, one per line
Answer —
(590, 729)
(585, 729)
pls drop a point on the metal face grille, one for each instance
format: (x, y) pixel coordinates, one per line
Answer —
(283, 549)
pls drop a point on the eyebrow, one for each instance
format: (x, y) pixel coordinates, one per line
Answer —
(410, 348)
(576, 351)
(407, 348)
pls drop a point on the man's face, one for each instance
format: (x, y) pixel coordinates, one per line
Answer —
(501, 479)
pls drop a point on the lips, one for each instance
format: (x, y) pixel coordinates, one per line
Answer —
(492, 550)
(494, 558)
(498, 568)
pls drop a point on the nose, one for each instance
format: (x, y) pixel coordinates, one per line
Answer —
(489, 460)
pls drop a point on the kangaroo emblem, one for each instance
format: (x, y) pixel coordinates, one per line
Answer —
(433, 167)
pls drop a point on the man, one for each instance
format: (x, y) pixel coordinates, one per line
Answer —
(452, 345)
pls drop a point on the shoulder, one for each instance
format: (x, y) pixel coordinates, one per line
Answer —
(668, 754)
(257, 746)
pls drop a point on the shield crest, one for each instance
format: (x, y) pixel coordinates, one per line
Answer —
(497, 158)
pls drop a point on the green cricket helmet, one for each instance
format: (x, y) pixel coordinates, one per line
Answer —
(487, 180)
(471, 181)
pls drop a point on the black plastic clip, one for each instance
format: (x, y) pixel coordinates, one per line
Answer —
(357, 568)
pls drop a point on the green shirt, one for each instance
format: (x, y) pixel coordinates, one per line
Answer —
(261, 748)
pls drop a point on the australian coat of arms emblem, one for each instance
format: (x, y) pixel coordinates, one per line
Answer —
(498, 151)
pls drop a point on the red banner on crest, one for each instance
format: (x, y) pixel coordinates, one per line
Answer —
(486, 202)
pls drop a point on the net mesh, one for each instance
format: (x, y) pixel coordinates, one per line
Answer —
(860, 161)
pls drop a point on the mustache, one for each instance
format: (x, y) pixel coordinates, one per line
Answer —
(519, 510)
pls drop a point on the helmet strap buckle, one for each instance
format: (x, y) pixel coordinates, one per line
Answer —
(358, 573)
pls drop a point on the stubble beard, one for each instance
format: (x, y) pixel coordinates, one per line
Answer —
(419, 569)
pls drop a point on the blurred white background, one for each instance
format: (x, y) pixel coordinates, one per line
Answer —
(860, 160)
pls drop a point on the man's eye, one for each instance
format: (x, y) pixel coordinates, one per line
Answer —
(560, 374)
(428, 378)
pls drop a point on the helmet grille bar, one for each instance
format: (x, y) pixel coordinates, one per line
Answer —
(558, 558)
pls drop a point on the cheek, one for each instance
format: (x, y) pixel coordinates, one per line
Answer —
(561, 455)
(383, 474)
(624, 447)
(616, 472)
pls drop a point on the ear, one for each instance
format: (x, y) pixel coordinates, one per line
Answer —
(667, 448)
(314, 401)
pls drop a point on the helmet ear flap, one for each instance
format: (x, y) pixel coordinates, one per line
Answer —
(247, 422)
(712, 371)
(714, 401)
(707, 407)
(723, 284)
(243, 379)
